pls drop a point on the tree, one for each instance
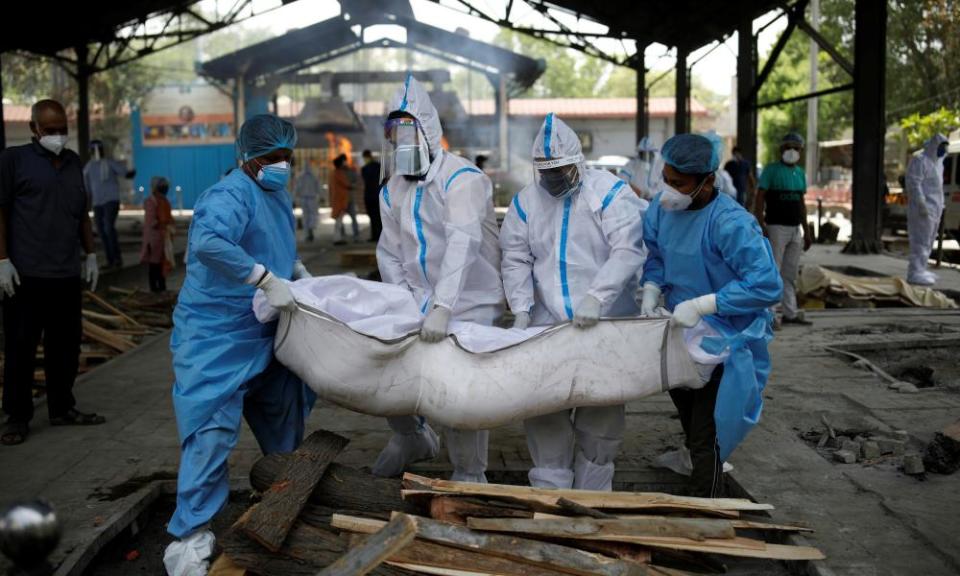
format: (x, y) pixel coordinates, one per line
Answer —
(923, 47)
(918, 127)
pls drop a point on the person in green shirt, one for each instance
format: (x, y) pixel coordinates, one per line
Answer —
(780, 208)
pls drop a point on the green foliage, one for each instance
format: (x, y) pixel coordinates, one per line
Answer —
(923, 48)
(919, 127)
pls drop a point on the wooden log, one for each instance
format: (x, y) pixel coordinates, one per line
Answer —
(590, 498)
(269, 521)
(224, 566)
(541, 554)
(457, 510)
(306, 550)
(384, 543)
(615, 530)
(341, 487)
(737, 523)
(574, 509)
(111, 319)
(111, 308)
(104, 336)
(421, 554)
(623, 551)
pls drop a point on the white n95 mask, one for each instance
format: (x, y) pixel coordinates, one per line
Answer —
(54, 142)
(673, 200)
(791, 156)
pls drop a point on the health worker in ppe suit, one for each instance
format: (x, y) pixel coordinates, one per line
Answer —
(640, 172)
(924, 207)
(241, 240)
(572, 249)
(709, 260)
(439, 241)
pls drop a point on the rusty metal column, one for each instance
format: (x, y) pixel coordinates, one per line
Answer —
(746, 78)
(3, 130)
(643, 115)
(869, 126)
(503, 110)
(681, 115)
(83, 108)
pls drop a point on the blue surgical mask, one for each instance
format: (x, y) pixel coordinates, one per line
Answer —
(941, 151)
(274, 177)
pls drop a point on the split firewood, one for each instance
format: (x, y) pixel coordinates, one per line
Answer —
(269, 521)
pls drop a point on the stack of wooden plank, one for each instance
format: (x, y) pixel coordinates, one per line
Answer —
(320, 517)
(113, 325)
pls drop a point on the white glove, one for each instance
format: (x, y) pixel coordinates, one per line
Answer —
(300, 271)
(587, 313)
(190, 556)
(434, 327)
(922, 208)
(9, 279)
(521, 320)
(277, 292)
(689, 312)
(649, 300)
(91, 271)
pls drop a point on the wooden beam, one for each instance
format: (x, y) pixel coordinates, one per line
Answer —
(457, 510)
(590, 498)
(269, 521)
(615, 530)
(341, 487)
(420, 554)
(564, 559)
(384, 543)
(112, 309)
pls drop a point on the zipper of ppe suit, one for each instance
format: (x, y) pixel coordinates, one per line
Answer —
(564, 287)
(422, 240)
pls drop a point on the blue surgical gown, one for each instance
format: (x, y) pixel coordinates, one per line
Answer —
(720, 249)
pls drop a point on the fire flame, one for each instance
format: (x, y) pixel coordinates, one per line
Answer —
(337, 145)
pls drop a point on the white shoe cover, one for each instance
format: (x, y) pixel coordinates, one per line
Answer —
(191, 555)
(405, 449)
(551, 478)
(679, 461)
(590, 476)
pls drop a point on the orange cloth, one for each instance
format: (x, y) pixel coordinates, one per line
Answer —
(157, 225)
(340, 185)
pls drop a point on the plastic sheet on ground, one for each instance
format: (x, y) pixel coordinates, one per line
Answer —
(818, 281)
(481, 377)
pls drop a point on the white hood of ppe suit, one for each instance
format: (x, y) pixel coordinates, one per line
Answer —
(556, 140)
(413, 99)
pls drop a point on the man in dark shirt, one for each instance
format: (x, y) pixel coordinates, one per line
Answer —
(742, 174)
(44, 222)
(371, 193)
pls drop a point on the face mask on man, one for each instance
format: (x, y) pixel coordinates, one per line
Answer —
(942, 151)
(791, 156)
(53, 142)
(274, 176)
(673, 200)
(560, 182)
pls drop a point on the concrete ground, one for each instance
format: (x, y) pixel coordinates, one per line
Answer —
(869, 519)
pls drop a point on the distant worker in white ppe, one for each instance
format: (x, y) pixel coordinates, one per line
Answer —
(307, 191)
(717, 275)
(640, 172)
(439, 241)
(572, 249)
(924, 207)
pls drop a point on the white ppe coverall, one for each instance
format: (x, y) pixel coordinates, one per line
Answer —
(924, 208)
(556, 252)
(440, 242)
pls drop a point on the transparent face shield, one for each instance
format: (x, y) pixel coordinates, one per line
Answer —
(405, 151)
(558, 177)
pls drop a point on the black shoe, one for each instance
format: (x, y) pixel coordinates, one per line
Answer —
(798, 320)
(73, 417)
